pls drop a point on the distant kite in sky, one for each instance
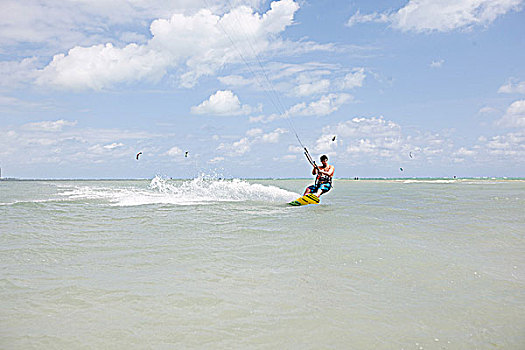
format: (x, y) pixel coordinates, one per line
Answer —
(138, 154)
(410, 154)
(186, 154)
(333, 139)
(401, 169)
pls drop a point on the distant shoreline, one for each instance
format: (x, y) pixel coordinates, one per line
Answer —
(504, 178)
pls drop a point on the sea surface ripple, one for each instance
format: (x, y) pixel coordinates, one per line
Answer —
(212, 263)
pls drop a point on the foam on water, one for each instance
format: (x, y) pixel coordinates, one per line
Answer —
(201, 190)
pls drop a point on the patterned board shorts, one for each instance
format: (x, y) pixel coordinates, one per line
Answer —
(324, 187)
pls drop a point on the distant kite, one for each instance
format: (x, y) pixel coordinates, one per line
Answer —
(401, 169)
(333, 139)
(138, 154)
(186, 154)
(410, 154)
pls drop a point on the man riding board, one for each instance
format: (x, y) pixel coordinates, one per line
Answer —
(323, 180)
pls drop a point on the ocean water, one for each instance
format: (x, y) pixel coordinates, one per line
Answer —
(226, 264)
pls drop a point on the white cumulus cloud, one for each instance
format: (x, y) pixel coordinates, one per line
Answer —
(254, 137)
(437, 64)
(464, 152)
(56, 125)
(101, 66)
(273, 137)
(307, 89)
(513, 87)
(299, 80)
(236, 80)
(238, 148)
(174, 151)
(511, 144)
(12, 73)
(365, 18)
(325, 105)
(223, 102)
(114, 145)
(515, 116)
(441, 15)
(488, 110)
(361, 135)
(376, 139)
(354, 79)
(216, 160)
(197, 44)
(57, 141)
(254, 132)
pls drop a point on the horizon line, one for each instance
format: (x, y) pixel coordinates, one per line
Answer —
(356, 178)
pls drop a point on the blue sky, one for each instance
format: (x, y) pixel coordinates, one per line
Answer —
(436, 87)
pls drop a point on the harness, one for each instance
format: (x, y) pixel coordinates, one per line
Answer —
(323, 179)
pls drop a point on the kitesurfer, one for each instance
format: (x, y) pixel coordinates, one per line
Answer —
(323, 180)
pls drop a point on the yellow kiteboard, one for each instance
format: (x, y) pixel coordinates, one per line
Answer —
(305, 200)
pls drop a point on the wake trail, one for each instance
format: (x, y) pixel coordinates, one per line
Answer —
(201, 190)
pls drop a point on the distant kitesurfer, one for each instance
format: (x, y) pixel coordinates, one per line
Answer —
(323, 180)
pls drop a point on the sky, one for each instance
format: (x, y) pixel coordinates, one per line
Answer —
(433, 87)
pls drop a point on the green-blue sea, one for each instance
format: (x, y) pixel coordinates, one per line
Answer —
(212, 263)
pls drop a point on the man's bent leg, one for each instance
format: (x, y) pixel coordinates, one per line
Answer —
(322, 189)
(310, 189)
